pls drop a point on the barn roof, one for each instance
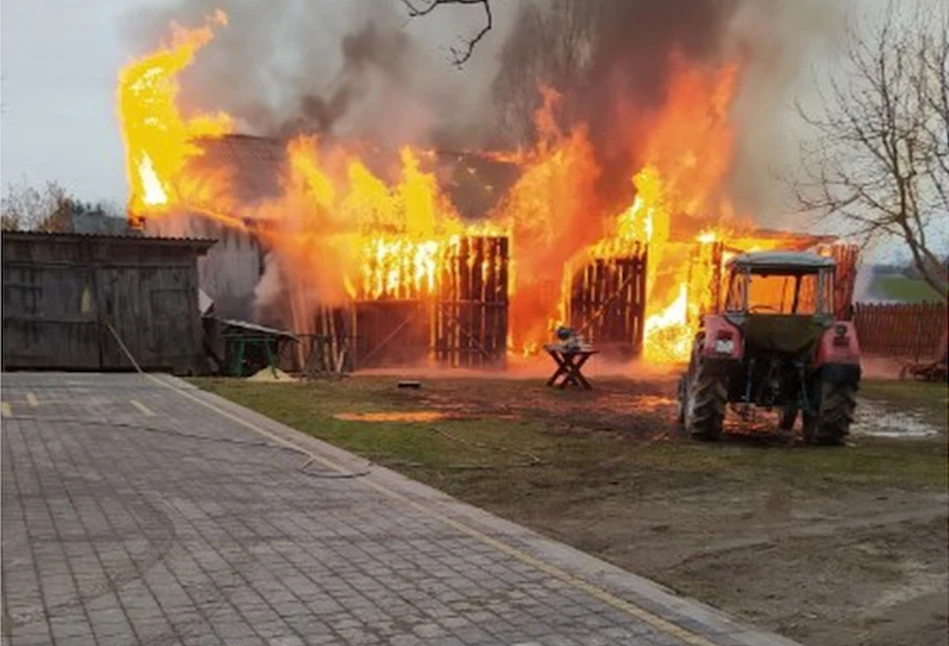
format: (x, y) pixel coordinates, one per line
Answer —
(474, 182)
(254, 166)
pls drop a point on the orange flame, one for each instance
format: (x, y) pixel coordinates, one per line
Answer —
(342, 231)
(158, 139)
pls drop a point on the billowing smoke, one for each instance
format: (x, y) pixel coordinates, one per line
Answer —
(359, 70)
(612, 61)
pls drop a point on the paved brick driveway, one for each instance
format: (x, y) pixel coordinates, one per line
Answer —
(139, 510)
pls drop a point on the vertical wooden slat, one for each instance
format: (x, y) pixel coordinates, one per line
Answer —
(503, 291)
(476, 302)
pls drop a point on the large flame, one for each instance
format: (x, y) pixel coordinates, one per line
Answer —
(158, 139)
(342, 231)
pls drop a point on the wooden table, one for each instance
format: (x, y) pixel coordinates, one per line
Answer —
(569, 361)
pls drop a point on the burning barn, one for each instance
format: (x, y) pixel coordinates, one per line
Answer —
(378, 257)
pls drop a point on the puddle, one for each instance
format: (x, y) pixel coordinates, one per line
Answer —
(399, 416)
(874, 419)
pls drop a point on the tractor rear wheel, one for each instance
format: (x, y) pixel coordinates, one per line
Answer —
(835, 414)
(705, 406)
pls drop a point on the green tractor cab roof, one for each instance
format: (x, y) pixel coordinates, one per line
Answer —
(781, 262)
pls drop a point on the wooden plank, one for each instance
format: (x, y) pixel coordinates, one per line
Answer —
(490, 294)
(503, 277)
(476, 297)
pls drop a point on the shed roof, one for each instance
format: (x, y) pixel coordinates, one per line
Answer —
(200, 244)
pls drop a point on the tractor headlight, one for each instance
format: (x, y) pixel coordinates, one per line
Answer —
(724, 346)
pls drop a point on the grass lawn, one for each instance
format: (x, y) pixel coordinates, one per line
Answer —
(501, 436)
(901, 288)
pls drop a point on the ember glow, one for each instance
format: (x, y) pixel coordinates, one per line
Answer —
(342, 231)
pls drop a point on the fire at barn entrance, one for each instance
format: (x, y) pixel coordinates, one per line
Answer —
(462, 324)
(607, 303)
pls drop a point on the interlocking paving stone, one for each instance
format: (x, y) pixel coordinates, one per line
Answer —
(185, 519)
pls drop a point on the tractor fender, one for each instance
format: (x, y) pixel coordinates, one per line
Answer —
(716, 331)
(838, 346)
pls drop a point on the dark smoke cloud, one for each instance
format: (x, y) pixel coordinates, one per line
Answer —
(348, 68)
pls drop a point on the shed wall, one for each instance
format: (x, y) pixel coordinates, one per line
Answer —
(61, 294)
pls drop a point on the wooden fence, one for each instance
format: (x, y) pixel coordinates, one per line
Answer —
(905, 330)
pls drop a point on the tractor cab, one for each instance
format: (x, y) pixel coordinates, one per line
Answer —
(781, 301)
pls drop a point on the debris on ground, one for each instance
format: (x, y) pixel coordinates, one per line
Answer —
(272, 375)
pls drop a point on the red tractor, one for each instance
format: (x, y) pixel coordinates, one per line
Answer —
(774, 345)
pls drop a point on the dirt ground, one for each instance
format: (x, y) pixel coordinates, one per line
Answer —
(826, 546)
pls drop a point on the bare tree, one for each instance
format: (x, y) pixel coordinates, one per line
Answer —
(26, 208)
(462, 53)
(880, 160)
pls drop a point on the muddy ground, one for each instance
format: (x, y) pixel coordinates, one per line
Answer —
(826, 546)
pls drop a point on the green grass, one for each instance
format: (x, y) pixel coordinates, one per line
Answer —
(907, 391)
(577, 456)
(901, 288)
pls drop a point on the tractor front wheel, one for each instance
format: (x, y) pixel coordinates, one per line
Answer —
(706, 396)
(831, 425)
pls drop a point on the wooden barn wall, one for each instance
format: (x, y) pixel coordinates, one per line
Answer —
(231, 269)
(60, 294)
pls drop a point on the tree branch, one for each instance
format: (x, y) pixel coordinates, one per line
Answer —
(460, 55)
(881, 159)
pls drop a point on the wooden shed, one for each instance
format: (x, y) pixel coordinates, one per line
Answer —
(63, 292)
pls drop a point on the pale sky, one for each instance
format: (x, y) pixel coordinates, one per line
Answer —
(59, 62)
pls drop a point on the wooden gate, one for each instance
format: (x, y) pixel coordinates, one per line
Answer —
(469, 326)
(390, 333)
(607, 303)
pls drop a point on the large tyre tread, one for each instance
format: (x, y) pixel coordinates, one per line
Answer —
(838, 402)
(708, 414)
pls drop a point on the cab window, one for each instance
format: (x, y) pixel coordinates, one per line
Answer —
(783, 294)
